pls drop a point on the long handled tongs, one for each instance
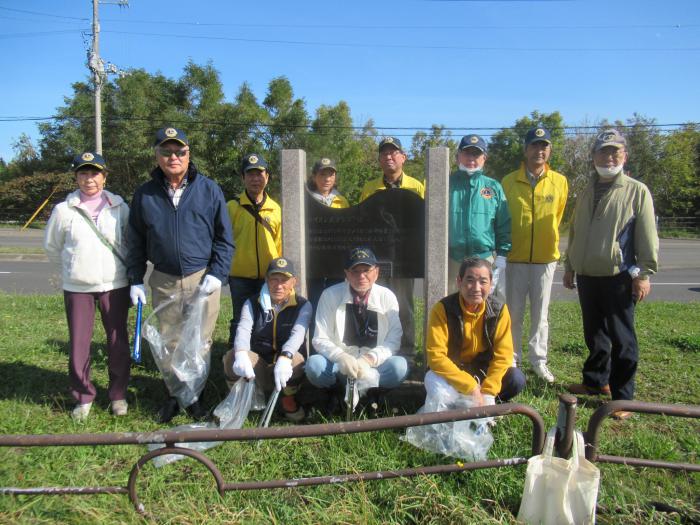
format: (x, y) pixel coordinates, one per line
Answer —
(351, 399)
(269, 409)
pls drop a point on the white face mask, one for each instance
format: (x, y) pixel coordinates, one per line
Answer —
(608, 173)
(470, 171)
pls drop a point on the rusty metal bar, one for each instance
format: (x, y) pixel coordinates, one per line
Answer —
(170, 437)
(33, 491)
(372, 476)
(566, 425)
(606, 410)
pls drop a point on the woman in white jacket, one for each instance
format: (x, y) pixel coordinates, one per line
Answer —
(86, 236)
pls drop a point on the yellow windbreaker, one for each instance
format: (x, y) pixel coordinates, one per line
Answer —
(535, 215)
(255, 245)
(472, 344)
(407, 183)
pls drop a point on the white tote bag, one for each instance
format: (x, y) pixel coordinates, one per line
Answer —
(560, 491)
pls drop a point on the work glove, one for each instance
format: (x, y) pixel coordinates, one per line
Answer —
(282, 373)
(210, 284)
(348, 365)
(363, 367)
(488, 400)
(137, 292)
(242, 366)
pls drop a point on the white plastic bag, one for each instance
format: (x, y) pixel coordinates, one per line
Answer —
(369, 380)
(174, 332)
(469, 440)
(230, 413)
(557, 490)
(498, 284)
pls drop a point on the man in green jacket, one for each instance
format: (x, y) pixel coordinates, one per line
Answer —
(478, 213)
(536, 198)
(613, 249)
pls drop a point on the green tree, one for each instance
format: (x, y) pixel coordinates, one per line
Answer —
(677, 190)
(420, 143)
(506, 146)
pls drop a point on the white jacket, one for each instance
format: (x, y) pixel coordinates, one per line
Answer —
(330, 323)
(87, 264)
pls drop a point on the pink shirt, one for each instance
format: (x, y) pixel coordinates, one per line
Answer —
(93, 204)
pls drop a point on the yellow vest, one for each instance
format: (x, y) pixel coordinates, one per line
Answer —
(255, 245)
(407, 183)
(535, 215)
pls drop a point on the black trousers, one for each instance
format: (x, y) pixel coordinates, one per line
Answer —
(607, 309)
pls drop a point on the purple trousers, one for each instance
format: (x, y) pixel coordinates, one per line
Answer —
(80, 310)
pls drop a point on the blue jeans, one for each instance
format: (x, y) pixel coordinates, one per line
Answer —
(323, 373)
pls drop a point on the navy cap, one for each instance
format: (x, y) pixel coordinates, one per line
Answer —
(361, 255)
(538, 134)
(609, 137)
(472, 141)
(170, 133)
(392, 141)
(89, 158)
(253, 161)
(323, 163)
(281, 265)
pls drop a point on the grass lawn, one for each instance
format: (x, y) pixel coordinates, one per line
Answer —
(33, 400)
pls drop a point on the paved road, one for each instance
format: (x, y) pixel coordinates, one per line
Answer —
(678, 280)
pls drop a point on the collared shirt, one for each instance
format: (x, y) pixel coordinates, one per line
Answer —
(534, 179)
(176, 193)
(395, 184)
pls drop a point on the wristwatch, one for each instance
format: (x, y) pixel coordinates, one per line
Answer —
(287, 354)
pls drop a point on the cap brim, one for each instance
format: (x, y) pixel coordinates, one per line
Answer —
(98, 166)
(280, 272)
(605, 144)
(482, 150)
(173, 140)
(254, 168)
(366, 263)
(537, 139)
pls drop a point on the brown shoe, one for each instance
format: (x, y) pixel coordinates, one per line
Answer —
(581, 389)
(292, 411)
(621, 415)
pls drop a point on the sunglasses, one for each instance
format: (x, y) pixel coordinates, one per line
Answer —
(167, 153)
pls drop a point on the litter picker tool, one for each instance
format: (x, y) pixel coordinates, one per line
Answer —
(136, 353)
(351, 399)
(269, 409)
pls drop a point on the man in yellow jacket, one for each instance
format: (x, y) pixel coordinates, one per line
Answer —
(391, 160)
(469, 343)
(256, 221)
(536, 197)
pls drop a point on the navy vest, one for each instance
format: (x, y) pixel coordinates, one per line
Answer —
(270, 330)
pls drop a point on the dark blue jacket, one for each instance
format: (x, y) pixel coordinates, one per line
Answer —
(183, 240)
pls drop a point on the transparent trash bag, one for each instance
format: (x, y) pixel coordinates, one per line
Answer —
(230, 413)
(469, 440)
(175, 334)
(259, 402)
(369, 380)
(498, 284)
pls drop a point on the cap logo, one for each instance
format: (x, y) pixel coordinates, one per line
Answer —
(87, 157)
(325, 162)
(170, 132)
(474, 139)
(253, 159)
(360, 253)
(389, 140)
(282, 263)
(539, 132)
(607, 136)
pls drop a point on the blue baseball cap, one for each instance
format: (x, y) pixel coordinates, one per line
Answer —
(253, 161)
(281, 265)
(472, 141)
(390, 141)
(170, 133)
(538, 134)
(88, 158)
(361, 255)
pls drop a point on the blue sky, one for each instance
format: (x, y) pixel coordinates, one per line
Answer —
(462, 63)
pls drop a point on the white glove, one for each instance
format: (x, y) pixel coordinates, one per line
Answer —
(348, 365)
(283, 371)
(363, 367)
(242, 366)
(210, 284)
(488, 400)
(500, 263)
(137, 292)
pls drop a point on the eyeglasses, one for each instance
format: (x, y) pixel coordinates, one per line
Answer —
(357, 272)
(616, 153)
(390, 152)
(167, 153)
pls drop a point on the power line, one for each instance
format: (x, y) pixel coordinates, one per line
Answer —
(51, 15)
(42, 33)
(399, 46)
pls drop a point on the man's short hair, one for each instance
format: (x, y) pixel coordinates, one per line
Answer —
(474, 262)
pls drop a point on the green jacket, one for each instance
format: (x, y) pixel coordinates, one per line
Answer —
(620, 234)
(479, 217)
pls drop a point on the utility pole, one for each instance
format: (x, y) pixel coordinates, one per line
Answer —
(97, 67)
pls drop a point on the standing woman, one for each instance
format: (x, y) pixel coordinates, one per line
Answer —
(86, 236)
(322, 186)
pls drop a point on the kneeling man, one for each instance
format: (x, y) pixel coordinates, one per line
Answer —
(357, 328)
(469, 342)
(270, 336)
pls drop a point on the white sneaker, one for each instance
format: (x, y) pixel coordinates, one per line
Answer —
(543, 373)
(120, 407)
(81, 412)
